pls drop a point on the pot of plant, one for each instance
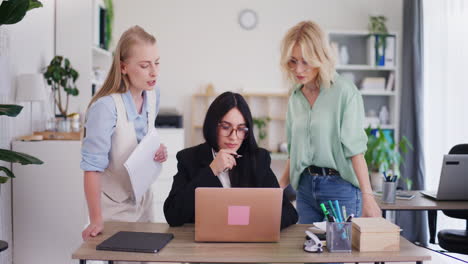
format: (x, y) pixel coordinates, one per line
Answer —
(383, 155)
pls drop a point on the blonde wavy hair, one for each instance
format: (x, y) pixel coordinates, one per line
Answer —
(315, 49)
(115, 81)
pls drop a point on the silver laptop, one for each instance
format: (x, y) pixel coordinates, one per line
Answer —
(453, 176)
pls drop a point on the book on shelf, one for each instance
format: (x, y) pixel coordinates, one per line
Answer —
(373, 84)
(390, 82)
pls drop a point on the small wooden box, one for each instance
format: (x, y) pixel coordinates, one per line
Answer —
(375, 234)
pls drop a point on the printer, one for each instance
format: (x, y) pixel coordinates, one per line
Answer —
(169, 118)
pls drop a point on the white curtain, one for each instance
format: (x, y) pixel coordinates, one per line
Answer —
(445, 83)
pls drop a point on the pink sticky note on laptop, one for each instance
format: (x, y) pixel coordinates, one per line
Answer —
(238, 215)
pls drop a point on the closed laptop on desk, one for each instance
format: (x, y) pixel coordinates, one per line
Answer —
(145, 242)
(238, 214)
(453, 176)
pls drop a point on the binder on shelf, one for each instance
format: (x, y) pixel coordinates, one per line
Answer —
(371, 50)
(390, 51)
(381, 53)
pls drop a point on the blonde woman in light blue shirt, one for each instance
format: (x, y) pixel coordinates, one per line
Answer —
(119, 116)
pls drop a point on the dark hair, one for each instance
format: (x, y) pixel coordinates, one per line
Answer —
(242, 174)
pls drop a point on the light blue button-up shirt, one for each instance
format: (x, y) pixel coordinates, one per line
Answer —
(101, 120)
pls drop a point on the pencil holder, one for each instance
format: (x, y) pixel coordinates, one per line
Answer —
(389, 192)
(339, 236)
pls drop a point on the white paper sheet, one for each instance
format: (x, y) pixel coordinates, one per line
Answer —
(141, 166)
(321, 226)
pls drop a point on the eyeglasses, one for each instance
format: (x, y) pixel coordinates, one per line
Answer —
(226, 129)
(293, 64)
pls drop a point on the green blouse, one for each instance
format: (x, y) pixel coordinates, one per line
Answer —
(327, 134)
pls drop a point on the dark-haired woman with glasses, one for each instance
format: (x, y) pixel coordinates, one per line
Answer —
(230, 157)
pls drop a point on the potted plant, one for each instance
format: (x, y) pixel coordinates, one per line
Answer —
(61, 76)
(261, 123)
(12, 12)
(379, 30)
(384, 155)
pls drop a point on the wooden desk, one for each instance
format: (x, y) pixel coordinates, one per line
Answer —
(183, 249)
(421, 202)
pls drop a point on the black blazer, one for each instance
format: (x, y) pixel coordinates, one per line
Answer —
(194, 171)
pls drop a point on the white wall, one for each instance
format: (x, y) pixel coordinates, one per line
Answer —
(31, 47)
(201, 41)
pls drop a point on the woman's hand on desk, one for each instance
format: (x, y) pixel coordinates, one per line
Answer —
(92, 230)
(370, 208)
(161, 154)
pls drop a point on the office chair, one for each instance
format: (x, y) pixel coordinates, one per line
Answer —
(450, 239)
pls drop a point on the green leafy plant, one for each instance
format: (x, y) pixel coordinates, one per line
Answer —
(13, 11)
(378, 28)
(261, 124)
(61, 76)
(383, 155)
(109, 21)
(13, 156)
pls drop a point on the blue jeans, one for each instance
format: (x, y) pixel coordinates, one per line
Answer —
(313, 190)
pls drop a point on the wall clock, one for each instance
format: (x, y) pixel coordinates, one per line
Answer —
(248, 19)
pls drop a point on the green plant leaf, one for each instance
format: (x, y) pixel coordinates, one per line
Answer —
(12, 12)
(18, 157)
(34, 4)
(3, 179)
(7, 171)
(10, 110)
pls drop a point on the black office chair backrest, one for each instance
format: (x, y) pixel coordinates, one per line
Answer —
(458, 149)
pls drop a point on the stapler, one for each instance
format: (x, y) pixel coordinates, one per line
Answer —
(312, 243)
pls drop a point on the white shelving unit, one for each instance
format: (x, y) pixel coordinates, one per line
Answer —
(101, 58)
(360, 65)
(75, 39)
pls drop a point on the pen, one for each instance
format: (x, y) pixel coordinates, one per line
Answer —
(385, 176)
(338, 211)
(343, 208)
(350, 218)
(326, 213)
(332, 208)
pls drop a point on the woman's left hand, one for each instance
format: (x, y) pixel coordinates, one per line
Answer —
(370, 208)
(161, 154)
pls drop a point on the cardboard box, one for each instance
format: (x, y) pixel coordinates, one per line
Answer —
(375, 234)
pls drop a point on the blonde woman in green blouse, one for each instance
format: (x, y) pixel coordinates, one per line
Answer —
(324, 127)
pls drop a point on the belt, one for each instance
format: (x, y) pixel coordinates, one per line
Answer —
(320, 171)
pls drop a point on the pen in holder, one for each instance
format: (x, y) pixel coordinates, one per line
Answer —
(339, 236)
(389, 192)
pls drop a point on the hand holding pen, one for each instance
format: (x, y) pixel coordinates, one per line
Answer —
(225, 160)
